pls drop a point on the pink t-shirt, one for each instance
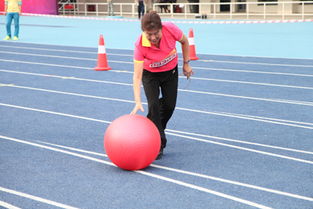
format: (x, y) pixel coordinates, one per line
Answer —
(163, 58)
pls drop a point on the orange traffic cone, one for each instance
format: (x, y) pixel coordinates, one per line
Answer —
(192, 47)
(102, 57)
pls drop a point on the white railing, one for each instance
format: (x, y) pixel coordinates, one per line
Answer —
(234, 10)
(246, 10)
(98, 9)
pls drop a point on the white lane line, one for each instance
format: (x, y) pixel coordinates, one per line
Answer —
(52, 50)
(294, 102)
(253, 83)
(131, 63)
(130, 55)
(174, 134)
(6, 84)
(69, 93)
(67, 57)
(285, 101)
(277, 121)
(268, 118)
(239, 141)
(242, 148)
(259, 63)
(73, 58)
(7, 205)
(55, 113)
(246, 202)
(254, 118)
(45, 64)
(32, 197)
(191, 186)
(195, 174)
(194, 78)
(73, 149)
(253, 71)
(68, 77)
(51, 56)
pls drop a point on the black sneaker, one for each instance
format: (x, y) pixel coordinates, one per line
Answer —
(159, 157)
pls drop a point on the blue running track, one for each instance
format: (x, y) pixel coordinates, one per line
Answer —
(241, 136)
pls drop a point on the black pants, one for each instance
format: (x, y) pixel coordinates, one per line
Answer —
(141, 9)
(160, 109)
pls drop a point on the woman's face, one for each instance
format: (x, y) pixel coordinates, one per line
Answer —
(154, 36)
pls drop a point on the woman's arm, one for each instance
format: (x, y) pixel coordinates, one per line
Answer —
(187, 70)
(138, 69)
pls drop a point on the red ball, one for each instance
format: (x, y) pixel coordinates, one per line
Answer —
(132, 142)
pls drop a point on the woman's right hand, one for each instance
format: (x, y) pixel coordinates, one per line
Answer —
(137, 107)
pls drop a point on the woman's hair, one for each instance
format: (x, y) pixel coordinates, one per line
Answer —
(151, 21)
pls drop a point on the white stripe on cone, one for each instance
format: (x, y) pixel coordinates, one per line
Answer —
(191, 41)
(101, 49)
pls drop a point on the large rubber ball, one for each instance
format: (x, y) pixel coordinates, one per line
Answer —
(132, 142)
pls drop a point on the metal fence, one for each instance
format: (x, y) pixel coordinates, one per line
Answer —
(230, 10)
(97, 9)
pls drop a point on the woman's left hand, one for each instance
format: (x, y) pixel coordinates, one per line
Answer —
(187, 70)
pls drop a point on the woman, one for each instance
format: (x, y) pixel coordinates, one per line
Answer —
(155, 64)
